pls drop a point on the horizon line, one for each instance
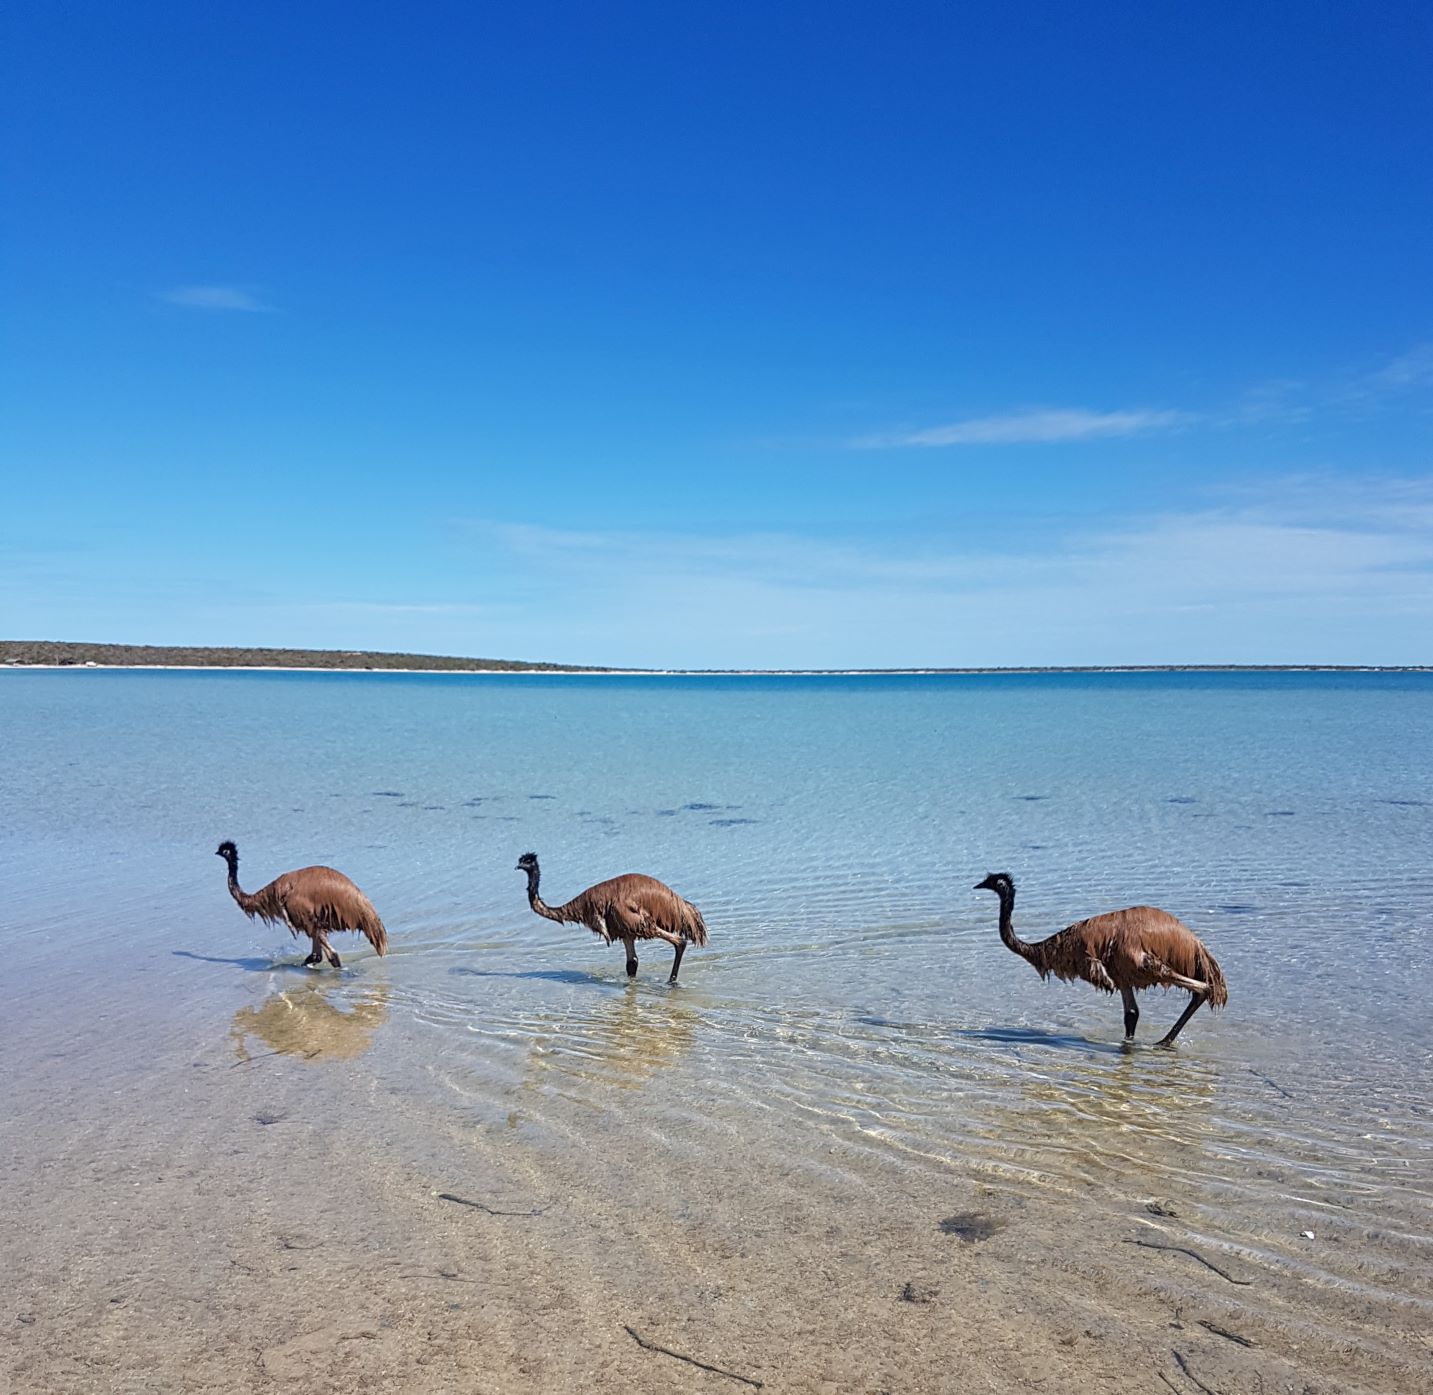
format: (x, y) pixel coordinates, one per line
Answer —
(57, 654)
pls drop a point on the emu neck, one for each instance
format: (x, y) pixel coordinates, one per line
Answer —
(1007, 929)
(536, 901)
(246, 902)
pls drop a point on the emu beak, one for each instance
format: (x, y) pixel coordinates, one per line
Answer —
(518, 868)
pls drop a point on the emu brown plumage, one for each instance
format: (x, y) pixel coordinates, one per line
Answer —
(1124, 951)
(627, 908)
(313, 901)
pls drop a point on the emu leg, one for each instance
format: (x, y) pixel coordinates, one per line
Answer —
(316, 958)
(631, 946)
(329, 954)
(1196, 1001)
(1131, 1012)
(678, 944)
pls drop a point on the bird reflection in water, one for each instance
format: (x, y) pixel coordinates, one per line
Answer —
(1127, 1093)
(1132, 1122)
(623, 1039)
(316, 1022)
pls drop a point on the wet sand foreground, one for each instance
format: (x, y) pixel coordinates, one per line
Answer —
(259, 1209)
(861, 1148)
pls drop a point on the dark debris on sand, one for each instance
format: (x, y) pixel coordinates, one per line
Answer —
(971, 1226)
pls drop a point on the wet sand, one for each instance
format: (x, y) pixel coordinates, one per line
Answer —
(861, 1148)
(260, 1208)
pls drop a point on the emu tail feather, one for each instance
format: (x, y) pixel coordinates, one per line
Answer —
(1213, 975)
(694, 928)
(376, 935)
(362, 919)
(1210, 981)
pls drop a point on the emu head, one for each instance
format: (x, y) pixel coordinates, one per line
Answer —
(998, 882)
(527, 862)
(227, 851)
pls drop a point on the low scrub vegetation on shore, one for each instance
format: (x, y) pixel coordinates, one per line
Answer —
(66, 654)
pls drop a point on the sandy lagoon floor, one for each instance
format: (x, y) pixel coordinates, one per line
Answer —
(860, 1149)
(261, 1209)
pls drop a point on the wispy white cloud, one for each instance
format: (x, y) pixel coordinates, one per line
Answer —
(1304, 569)
(1307, 571)
(1411, 370)
(1276, 402)
(1279, 402)
(1040, 425)
(215, 298)
(401, 608)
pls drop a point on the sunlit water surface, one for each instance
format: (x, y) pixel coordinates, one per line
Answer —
(855, 1008)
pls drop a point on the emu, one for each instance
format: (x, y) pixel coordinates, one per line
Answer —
(312, 901)
(1128, 950)
(627, 908)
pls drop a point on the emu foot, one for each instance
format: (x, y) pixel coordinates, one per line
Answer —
(631, 968)
(336, 962)
(313, 961)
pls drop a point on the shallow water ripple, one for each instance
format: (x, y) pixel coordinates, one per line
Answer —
(855, 1025)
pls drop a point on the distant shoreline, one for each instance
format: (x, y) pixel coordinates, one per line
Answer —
(48, 654)
(16, 653)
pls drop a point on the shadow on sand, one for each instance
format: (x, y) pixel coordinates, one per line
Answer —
(251, 966)
(1005, 1036)
(577, 976)
(1032, 1036)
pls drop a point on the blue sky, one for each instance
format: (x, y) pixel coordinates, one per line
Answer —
(722, 334)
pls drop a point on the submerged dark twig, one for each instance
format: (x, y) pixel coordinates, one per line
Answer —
(1224, 1332)
(1184, 1366)
(450, 1276)
(264, 1056)
(690, 1360)
(478, 1206)
(1193, 1254)
(1272, 1084)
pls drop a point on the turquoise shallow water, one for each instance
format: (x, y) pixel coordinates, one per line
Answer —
(831, 830)
(856, 1009)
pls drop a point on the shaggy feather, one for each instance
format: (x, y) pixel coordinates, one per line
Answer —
(1125, 951)
(629, 907)
(310, 901)
(1141, 947)
(632, 906)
